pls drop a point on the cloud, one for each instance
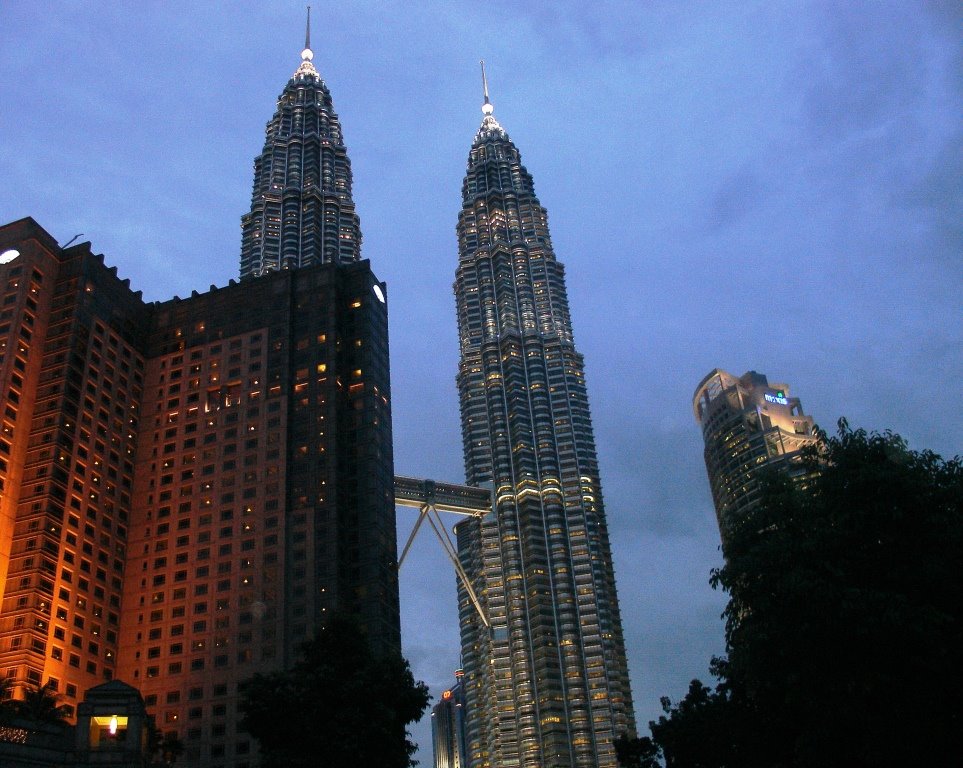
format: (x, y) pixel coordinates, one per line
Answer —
(735, 197)
(850, 88)
(938, 195)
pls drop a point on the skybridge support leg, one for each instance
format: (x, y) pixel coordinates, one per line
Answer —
(441, 533)
(414, 532)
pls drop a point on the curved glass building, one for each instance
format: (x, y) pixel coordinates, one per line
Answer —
(749, 426)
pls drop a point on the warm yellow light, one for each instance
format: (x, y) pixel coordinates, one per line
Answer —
(113, 725)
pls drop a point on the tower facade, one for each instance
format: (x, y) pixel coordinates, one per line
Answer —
(546, 684)
(749, 426)
(302, 212)
(189, 488)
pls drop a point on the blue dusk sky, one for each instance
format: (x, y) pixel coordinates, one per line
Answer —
(745, 185)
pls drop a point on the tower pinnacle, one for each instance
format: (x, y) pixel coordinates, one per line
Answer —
(301, 212)
(307, 68)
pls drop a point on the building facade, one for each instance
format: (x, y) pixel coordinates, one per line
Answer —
(263, 492)
(546, 684)
(749, 426)
(72, 359)
(448, 727)
(188, 488)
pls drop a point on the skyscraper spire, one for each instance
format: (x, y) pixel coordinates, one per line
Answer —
(487, 107)
(307, 68)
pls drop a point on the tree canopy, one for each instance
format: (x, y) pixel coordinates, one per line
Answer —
(168, 745)
(340, 705)
(40, 703)
(845, 620)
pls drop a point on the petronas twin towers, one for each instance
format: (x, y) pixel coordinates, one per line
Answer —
(546, 676)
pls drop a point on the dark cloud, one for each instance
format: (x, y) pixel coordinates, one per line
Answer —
(654, 478)
(939, 197)
(850, 87)
(948, 16)
(734, 198)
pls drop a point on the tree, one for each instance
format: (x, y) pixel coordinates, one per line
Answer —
(715, 717)
(167, 744)
(636, 753)
(170, 748)
(41, 704)
(7, 704)
(340, 705)
(845, 620)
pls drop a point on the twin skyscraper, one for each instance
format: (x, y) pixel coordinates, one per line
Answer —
(545, 678)
(547, 683)
(190, 487)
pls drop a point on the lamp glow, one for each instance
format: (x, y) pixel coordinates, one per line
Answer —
(113, 725)
(9, 255)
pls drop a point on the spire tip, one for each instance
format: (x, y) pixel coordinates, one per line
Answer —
(487, 107)
(307, 54)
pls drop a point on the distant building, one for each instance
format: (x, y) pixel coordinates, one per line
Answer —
(448, 727)
(302, 212)
(748, 426)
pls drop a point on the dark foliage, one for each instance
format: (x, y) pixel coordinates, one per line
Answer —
(338, 706)
(710, 714)
(845, 620)
(167, 745)
(7, 705)
(636, 753)
(40, 704)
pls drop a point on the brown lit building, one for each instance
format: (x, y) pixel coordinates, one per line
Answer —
(72, 341)
(189, 487)
(263, 491)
